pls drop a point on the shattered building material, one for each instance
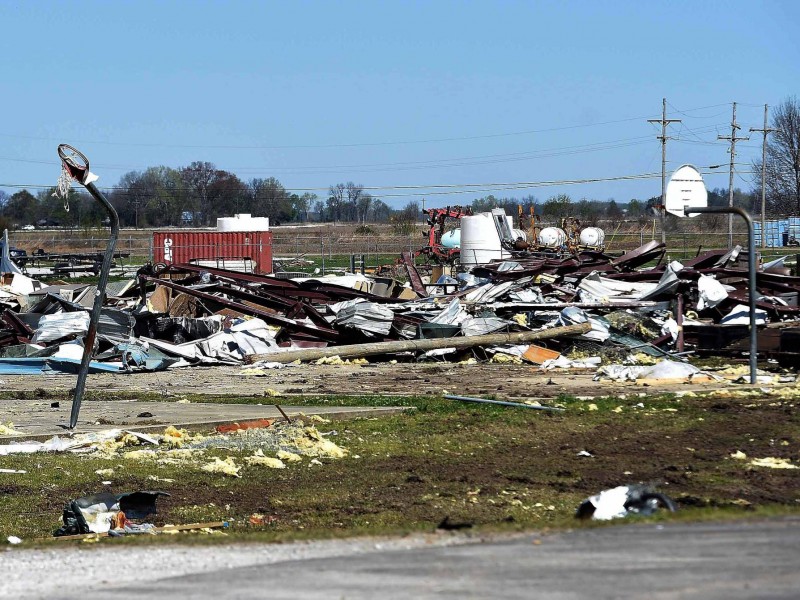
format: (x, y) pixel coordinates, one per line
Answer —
(188, 314)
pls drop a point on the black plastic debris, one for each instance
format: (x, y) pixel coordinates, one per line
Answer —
(624, 501)
(95, 513)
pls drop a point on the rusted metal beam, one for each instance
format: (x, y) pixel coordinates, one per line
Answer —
(290, 324)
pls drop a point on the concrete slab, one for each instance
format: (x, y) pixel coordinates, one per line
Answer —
(38, 421)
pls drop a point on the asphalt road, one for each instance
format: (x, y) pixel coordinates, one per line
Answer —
(709, 561)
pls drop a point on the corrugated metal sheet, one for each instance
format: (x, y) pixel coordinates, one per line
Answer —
(191, 246)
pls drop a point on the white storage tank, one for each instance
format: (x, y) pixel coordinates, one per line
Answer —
(452, 239)
(480, 242)
(593, 237)
(552, 237)
(243, 222)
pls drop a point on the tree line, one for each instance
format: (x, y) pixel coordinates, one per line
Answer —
(196, 195)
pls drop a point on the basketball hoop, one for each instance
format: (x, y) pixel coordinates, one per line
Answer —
(74, 166)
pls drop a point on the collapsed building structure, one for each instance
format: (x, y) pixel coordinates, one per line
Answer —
(182, 314)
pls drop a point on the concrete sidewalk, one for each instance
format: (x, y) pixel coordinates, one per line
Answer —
(36, 420)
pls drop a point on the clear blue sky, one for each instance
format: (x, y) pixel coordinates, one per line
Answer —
(391, 94)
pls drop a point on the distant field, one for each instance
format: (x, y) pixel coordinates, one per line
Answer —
(337, 242)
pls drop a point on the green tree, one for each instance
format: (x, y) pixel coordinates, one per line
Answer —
(303, 204)
(20, 208)
(557, 207)
(613, 211)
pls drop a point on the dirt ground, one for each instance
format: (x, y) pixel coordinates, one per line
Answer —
(502, 381)
(486, 466)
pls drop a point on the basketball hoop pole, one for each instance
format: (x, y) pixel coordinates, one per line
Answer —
(751, 273)
(91, 334)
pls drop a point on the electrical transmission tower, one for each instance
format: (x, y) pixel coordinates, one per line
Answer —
(766, 131)
(663, 137)
(733, 138)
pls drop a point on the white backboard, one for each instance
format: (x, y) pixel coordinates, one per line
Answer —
(685, 188)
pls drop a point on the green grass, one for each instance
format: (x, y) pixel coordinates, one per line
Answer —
(501, 469)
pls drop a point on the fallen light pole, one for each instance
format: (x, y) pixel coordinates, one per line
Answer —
(75, 166)
(394, 347)
(751, 273)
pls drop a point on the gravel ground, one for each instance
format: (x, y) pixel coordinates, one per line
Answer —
(505, 381)
(45, 573)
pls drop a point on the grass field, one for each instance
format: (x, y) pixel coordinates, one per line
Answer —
(492, 468)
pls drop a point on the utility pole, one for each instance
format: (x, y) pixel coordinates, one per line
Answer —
(766, 131)
(733, 139)
(663, 137)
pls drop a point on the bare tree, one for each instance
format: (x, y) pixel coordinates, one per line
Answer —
(198, 177)
(336, 199)
(783, 159)
(363, 205)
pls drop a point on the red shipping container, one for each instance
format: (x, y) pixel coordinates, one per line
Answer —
(238, 250)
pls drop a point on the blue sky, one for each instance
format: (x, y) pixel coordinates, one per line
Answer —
(393, 95)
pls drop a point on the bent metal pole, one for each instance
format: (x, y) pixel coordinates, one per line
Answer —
(91, 334)
(751, 274)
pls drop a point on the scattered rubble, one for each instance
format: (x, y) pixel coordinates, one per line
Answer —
(584, 308)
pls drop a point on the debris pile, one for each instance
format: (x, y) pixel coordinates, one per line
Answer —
(580, 309)
(272, 445)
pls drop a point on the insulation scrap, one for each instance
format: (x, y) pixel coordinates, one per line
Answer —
(337, 360)
(130, 440)
(180, 454)
(8, 429)
(773, 463)
(175, 438)
(506, 359)
(140, 454)
(258, 458)
(225, 467)
(520, 319)
(289, 456)
(312, 443)
(315, 418)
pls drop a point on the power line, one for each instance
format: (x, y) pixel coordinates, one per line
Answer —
(732, 138)
(443, 189)
(412, 165)
(663, 137)
(341, 145)
(765, 131)
(344, 145)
